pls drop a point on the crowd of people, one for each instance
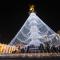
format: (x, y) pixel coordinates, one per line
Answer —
(41, 49)
(30, 49)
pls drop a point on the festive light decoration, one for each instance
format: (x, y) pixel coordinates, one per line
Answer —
(32, 8)
(7, 48)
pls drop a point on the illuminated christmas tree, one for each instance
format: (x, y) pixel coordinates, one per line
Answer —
(35, 31)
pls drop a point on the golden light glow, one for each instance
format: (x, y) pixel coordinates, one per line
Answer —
(32, 8)
(7, 48)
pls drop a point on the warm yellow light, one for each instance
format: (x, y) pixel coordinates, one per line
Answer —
(32, 8)
(6, 48)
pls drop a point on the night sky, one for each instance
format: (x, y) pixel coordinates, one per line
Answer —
(13, 14)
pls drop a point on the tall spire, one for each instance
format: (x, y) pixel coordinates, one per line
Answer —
(32, 8)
